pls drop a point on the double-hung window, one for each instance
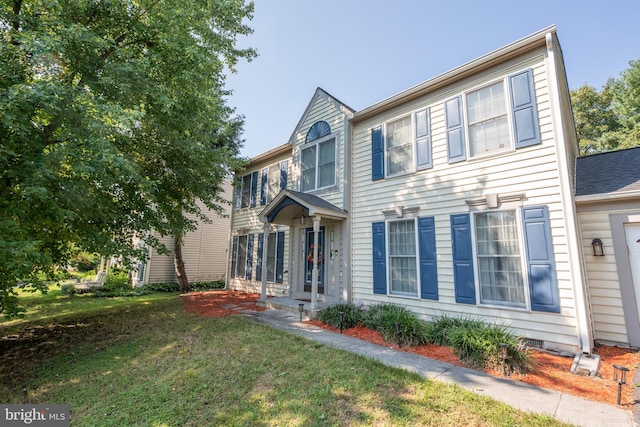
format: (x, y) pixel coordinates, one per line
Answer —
(404, 257)
(274, 179)
(246, 190)
(403, 264)
(241, 256)
(318, 164)
(488, 122)
(498, 117)
(499, 259)
(401, 146)
(512, 261)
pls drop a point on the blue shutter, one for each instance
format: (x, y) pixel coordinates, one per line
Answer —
(379, 259)
(463, 278)
(456, 148)
(540, 264)
(234, 255)
(428, 269)
(423, 139)
(249, 257)
(254, 188)
(279, 256)
(263, 187)
(284, 166)
(377, 154)
(523, 106)
(260, 254)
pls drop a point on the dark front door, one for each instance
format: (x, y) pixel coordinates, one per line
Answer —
(309, 260)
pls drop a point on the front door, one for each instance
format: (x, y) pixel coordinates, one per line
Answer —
(309, 260)
(632, 234)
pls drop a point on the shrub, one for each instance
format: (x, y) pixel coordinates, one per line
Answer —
(480, 345)
(117, 280)
(162, 287)
(207, 286)
(352, 315)
(410, 331)
(67, 289)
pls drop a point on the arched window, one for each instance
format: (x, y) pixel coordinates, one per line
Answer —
(318, 130)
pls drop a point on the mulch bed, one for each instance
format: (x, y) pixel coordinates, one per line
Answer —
(553, 371)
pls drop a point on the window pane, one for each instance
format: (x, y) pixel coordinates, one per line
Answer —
(274, 182)
(309, 168)
(488, 125)
(242, 257)
(402, 258)
(271, 257)
(246, 191)
(499, 260)
(327, 163)
(399, 146)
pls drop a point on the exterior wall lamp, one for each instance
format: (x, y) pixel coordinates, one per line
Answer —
(597, 247)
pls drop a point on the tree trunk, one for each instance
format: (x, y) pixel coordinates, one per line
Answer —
(178, 262)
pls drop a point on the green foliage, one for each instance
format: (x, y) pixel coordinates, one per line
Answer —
(113, 121)
(609, 119)
(162, 287)
(351, 315)
(117, 280)
(410, 330)
(482, 345)
(67, 289)
(207, 286)
(85, 262)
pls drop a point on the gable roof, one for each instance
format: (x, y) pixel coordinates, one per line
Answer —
(296, 204)
(616, 173)
(319, 92)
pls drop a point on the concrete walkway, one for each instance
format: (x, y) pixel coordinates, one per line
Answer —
(561, 406)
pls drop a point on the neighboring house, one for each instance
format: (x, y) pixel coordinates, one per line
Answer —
(454, 197)
(204, 251)
(608, 204)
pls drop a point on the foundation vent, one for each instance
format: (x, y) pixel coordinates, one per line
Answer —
(532, 342)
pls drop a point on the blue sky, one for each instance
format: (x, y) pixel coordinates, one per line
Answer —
(364, 51)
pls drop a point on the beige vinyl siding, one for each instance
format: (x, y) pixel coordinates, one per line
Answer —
(204, 250)
(602, 277)
(246, 221)
(326, 109)
(443, 190)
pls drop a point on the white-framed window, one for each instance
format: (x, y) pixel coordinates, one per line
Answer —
(274, 179)
(402, 145)
(487, 120)
(272, 245)
(499, 258)
(403, 257)
(318, 164)
(246, 189)
(241, 256)
(499, 116)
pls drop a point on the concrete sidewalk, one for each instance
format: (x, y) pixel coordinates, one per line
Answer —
(563, 407)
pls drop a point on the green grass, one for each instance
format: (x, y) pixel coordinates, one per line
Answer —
(147, 362)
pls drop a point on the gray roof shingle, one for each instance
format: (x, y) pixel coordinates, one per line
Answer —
(606, 173)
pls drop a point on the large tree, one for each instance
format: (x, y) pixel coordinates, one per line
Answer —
(608, 119)
(113, 121)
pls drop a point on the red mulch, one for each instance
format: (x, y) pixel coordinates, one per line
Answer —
(553, 371)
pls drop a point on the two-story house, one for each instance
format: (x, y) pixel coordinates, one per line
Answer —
(455, 196)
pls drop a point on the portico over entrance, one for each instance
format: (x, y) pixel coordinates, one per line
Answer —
(315, 243)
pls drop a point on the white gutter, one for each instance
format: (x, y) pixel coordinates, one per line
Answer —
(566, 187)
(604, 197)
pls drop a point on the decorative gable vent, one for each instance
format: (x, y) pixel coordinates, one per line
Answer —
(318, 130)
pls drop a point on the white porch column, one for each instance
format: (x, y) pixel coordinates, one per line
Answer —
(265, 241)
(314, 271)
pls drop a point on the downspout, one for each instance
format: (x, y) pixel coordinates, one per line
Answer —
(570, 217)
(346, 228)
